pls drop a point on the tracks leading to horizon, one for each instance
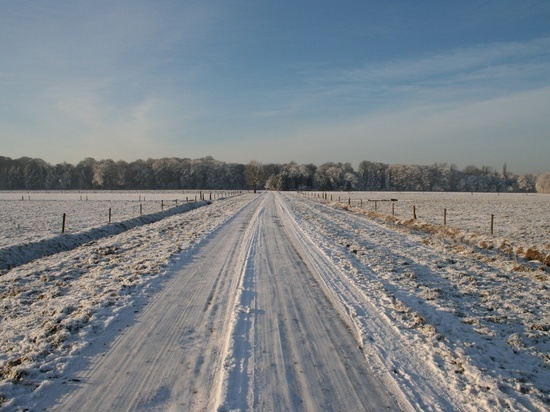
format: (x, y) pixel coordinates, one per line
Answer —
(243, 324)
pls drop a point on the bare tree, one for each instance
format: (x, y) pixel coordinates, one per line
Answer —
(254, 174)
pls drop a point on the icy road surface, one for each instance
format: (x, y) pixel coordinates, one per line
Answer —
(243, 325)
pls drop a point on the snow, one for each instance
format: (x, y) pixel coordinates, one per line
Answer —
(32, 216)
(520, 219)
(443, 323)
(55, 306)
(475, 316)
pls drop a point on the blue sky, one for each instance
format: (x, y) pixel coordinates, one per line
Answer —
(463, 82)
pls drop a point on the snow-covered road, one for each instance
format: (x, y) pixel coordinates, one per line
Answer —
(242, 325)
(274, 302)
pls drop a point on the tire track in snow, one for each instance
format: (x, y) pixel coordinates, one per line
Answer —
(415, 287)
(376, 334)
(171, 359)
(289, 349)
(238, 355)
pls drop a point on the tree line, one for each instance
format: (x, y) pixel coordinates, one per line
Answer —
(207, 173)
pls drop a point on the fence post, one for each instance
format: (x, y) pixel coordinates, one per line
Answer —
(492, 223)
(162, 205)
(63, 223)
(376, 205)
(140, 209)
(414, 212)
(444, 217)
(392, 208)
(109, 215)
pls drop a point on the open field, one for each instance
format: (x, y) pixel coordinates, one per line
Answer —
(520, 220)
(32, 216)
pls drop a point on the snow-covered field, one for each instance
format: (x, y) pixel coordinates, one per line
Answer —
(31, 216)
(447, 325)
(520, 220)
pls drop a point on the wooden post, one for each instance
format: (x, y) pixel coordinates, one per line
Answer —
(361, 203)
(392, 208)
(349, 201)
(162, 205)
(444, 217)
(109, 215)
(492, 223)
(176, 202)
(63, 223)
(414, 212)
(376, 205)
(140, 209)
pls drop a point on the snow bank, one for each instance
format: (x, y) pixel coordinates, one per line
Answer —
(19, 254)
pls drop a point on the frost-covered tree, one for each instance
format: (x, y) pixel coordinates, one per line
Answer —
(207, 173)
(36, 173)
(372, 176)
(543, 183)
(139, 175)
(274, 182)
(62, 176)
(105, 174)
(84, 172)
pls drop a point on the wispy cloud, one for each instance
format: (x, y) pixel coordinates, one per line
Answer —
(449, 63)
(450, 77)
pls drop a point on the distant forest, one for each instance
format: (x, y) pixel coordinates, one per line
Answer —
(207, 173)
